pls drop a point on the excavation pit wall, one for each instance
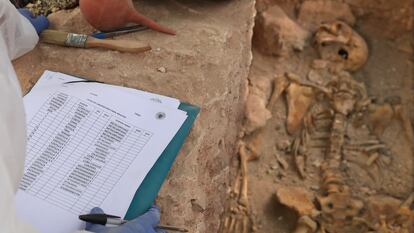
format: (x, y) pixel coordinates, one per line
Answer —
(205, 64)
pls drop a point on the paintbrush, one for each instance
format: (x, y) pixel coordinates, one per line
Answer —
(85, 41)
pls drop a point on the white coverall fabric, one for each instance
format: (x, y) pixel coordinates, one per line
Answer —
(17, 36)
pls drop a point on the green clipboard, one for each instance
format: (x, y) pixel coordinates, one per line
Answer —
(148, 190)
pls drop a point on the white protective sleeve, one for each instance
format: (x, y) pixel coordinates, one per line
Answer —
(17, 37)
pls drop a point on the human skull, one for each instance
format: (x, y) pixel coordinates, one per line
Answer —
(339, 43)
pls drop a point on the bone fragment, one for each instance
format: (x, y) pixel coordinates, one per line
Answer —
(405, 121)
(298, 157)
(300, 165)
(238, 225)
(296, 198)
(281, 161)
(256, 113)
(300, 99)
(409, 201)
(372, 158)
(340, 205)
(366, 143)
(245, 228)
(243, 199)
(324, 114)
(236, 185)
(380, 117)
(255, 144)
(305, 225)
(375, 147)
(305, 137)
(232, 223)
(225, 225)
(280, 83)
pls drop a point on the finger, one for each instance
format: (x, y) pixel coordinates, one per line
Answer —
(97, 210)
(94, 227)
(41, 23)
(148, 220)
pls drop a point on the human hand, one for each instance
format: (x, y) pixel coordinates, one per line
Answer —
(145, 223)
(40, 23)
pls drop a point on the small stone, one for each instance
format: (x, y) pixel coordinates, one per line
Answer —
(283, 145)
(277, 34)
(256, 112)
(302, 150)
(282, 161)
(162, 70)
(317, 163)
(293, 76)
(314, 187)
(365, 190)
(316, 77)
(320, 64)
(229, 190)
(223, 113)
(254, 228)
(386, 159)
(196, 207)
(278, 127)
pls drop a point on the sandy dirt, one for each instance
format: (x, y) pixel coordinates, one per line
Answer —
(388, 72)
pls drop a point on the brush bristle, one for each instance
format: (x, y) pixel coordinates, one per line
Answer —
(54, 37)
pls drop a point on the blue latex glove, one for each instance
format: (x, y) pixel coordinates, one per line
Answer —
(40, 23)
(145, 223)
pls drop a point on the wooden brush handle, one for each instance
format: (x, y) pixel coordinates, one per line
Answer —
(119, 45)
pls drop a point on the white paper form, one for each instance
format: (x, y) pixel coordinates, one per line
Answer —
(53, 79)
(88, 146)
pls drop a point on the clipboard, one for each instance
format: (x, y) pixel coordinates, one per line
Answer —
(149, 188)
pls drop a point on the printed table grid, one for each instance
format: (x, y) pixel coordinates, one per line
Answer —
(78, 152)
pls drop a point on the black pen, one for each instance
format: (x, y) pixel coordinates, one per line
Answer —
(83, 81)
(104, 219)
